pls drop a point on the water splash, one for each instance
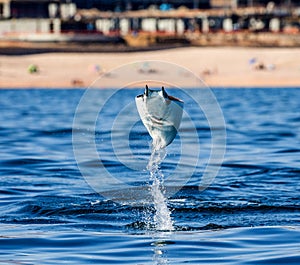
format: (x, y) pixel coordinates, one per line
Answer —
(162, 217)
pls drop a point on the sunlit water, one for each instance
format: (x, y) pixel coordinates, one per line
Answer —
(249, 215)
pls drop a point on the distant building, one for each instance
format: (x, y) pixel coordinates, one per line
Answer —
(252, 3)
(65, 8)
(123, 5)
(60, 20)
(4, 9)
(25, 8)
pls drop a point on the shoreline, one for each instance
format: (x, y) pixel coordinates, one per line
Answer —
(210, 87)
(218, 67)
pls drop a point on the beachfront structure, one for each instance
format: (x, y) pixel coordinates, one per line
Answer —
(125, 5)
(57, 20)
(28, 19)
(34, 20)
(25, 8)
(36, 9)
(67, 8)
(252, 3)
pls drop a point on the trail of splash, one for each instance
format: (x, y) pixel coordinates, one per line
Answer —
(162, 218)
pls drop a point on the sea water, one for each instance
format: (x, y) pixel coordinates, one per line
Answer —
(51, 215)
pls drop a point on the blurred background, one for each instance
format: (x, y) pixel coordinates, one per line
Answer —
(131, 24)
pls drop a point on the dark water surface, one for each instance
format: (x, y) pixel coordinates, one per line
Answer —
(50, 215)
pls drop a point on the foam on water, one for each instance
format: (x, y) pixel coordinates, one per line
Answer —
(162, 217)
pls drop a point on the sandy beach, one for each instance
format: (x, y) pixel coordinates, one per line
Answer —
(218, 67)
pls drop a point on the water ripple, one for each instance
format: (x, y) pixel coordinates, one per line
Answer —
(50, 215)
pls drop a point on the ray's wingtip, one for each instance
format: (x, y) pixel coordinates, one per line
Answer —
(164, 92)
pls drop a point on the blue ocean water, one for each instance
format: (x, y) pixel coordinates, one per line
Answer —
(51, 215)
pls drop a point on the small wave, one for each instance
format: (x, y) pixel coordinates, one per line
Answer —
(288, 150)
(25, 162)
(144, 226)
(245, 208)
(54, 132)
